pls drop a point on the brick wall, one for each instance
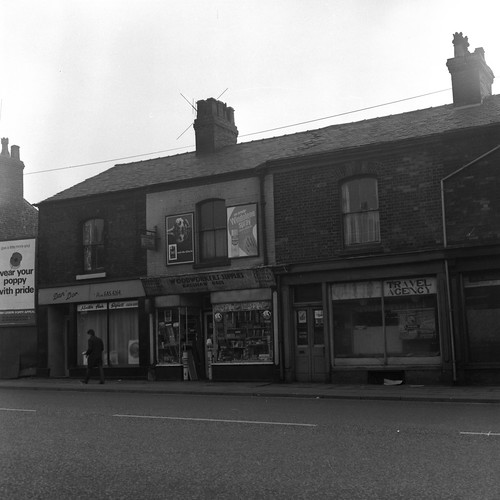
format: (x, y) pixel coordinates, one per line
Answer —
(60, 237)
(472, 203)
(184, 200)
(308, 221)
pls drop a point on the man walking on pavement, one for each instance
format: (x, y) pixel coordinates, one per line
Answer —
(94, 356)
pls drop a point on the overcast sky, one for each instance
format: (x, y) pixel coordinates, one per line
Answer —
(85, 81)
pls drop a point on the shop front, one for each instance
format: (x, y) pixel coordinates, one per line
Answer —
(392, 324)
(115, 311)
(479, 323)
(215, 325)
(366, 330)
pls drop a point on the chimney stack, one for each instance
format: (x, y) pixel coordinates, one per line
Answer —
(11, 175)
(214, 126)
(471, 77)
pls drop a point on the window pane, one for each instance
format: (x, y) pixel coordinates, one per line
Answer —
(319, 333)
(359, 195)
(368, 194)
(87, 233)
(363, 227)
(206, 216)
(358, 330)
(87, 258)
(123, 336)
(411, 326)
(98, 231)
(220, 243)
(207, 242)
(98, 256)
(483, 317)
(219, 214)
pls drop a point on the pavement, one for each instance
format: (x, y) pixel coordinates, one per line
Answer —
(403, 392)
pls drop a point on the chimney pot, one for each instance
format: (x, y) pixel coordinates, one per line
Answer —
(5, 146)
(14, 152)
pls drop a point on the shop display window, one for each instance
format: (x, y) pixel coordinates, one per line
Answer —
(482, 309)
(243, 336)
(395, 318)
(117, 324)
(177, 327)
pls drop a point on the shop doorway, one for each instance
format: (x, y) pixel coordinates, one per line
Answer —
(310, 353)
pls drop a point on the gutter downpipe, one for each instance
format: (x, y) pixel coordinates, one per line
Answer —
(446, 265)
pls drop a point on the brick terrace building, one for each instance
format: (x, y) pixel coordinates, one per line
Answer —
(18, 231)
(356, 252)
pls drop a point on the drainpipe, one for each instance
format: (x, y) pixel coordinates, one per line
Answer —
(446, 264)
(263, 211)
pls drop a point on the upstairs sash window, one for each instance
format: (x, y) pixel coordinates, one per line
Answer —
(93, 245)
(360, 211)
(212, 231)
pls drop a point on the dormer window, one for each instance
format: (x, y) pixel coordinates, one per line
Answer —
(93, 245)
(360, 211)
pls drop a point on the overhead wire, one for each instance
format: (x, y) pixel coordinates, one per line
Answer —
(243, 135)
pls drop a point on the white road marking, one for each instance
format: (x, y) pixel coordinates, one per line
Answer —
(16, 409)
(481, 433)
(216, 420)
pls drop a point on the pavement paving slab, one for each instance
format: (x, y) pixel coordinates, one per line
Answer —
(403, 392)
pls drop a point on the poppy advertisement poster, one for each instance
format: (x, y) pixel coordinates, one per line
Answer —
(17, 285)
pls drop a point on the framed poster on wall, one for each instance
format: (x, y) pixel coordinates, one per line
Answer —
(242, 239)
(180, 242)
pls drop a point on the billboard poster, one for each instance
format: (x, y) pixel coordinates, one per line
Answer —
(242, 231)
(180, 241)
(17, 282)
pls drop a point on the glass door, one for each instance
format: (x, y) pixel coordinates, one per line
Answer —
(310, 358)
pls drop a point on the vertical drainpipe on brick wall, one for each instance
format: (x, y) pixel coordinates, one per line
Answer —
(446, 265)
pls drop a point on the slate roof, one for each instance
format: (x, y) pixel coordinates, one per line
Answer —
(248, 155)
(18, 220)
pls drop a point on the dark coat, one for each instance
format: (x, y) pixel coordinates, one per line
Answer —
(94, 351)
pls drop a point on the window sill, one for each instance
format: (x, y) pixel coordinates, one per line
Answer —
(90, 276)
(362, 249)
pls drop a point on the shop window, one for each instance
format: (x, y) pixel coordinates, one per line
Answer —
(360, 211)
(93, 245)
(117, 324)
(396, 318)
(482, 305)
(177, 328)
(244, 335)
(212, 230)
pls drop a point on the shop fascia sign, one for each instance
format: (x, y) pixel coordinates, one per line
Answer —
(389, 288)
(91, 292)
(414, 286)
(237, 279)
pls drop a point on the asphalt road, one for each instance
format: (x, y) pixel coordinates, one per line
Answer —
(79, 445)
